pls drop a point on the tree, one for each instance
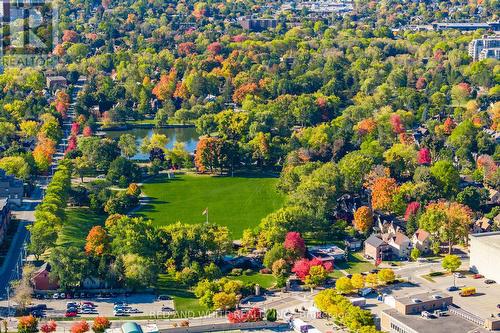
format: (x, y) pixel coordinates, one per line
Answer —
(386, 275)
(383, 189)
(271, 315)
(415, 254)
(363, 219)
(301, 268)
(372, 279)
(424, 156)
(97, 241)
(343, 285)
(17, 166)
(80, 327)
(100, 324)
(69, 266)
(48, 327)
(446, 176)
(316, 276)
(451, 262)
(357, 281)
(295, 245)
(447, 221)
(27, 324)
(225, 301)
(123, 171)
(472, 197)
(81, 165)
(272, 255)
(353, 167)
(127, 145)
(22, 289)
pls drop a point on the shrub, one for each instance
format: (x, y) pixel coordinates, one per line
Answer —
(236, 272)
(265, 271)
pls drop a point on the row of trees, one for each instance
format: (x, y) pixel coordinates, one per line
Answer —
(29, 324)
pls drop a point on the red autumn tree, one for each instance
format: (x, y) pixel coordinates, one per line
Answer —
(80, 327)
(383, 189)
(97, 241)
(69, 36)
(421, 83)
(49, 327)
(363, 219)
(396, 123)
(295, 244)
(239, 38)
(238, 316)
(411, 209)
(75, 128)
(100, 324)
(214, 48)
(242, 91)
(72, 144)
(424, 156)
(59, 50)
(301, 267)
(208, 156)
(186, 48)
(87, 131)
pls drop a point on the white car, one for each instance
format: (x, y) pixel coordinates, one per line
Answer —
(458, 275)
(119, 314)
(55, 296)
(62, 295)
(101, 177)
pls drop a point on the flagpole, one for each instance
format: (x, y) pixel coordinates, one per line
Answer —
(207, 215)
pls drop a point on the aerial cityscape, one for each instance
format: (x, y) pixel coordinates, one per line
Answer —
(309, 166)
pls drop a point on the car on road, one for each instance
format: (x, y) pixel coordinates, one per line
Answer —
(119, 314)
(166, 309)
(101, 177)
(489, 281)
(164, 298)
(452, 288)
(71, 314)
(477, 276)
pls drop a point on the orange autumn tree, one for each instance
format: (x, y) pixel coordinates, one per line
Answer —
(80, 327)
(366, 126)
(383, 189)
(363, 219)
(244, 90)
(62, 102)
(43, 152)
(205, 158)
(165, 87)
(100, 324)
(97, 241)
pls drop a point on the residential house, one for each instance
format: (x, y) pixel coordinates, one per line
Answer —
(41, 279)
(400, 245)
(11, 188)
(494, 197)
(94, 283)
(56, 82)
(483, 224)
(376, 248)
(258, 24)
(422, 241)
(352, 243)
(4, 218)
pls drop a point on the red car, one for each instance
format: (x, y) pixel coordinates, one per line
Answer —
(89, 304)
(70, 314)
(477, 276)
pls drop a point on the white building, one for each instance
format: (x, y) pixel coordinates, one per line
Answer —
(484, 47)
(484, 254)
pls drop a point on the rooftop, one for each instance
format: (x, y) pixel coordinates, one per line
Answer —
(423, 297)
(491, 238)
(446, 324)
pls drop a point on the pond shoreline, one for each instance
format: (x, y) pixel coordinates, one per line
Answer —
(144, 126)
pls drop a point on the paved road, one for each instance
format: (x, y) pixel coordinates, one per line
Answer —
(12, 266)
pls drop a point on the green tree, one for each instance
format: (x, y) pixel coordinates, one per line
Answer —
(415, 254)
(343, 285)
(128, 145)
(451, 262)
(446, 177)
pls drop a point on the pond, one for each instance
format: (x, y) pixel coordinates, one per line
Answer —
(185, 135)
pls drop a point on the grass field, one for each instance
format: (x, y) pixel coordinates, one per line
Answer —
(184, 300)
(355, 264)
(79, 222)
(238, 202)
(264, 280)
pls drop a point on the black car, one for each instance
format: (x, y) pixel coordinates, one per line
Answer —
(488, 281)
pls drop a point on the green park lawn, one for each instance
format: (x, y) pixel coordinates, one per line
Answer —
(355, 264)
(264, 280)
(238, 202)
(184, 300)
(78, 224)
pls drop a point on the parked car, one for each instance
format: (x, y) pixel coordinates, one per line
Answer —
(62, 295)
(37, 313)
(88, 311)
(88, 304)
(55, 296)
(489, 281)
(452, 288)
(477, 276)
(70, 314)
(166, 309)
(498, 306)
(119, 314)
(458, 275)
(164, 298)
(132, 310)
(101, 177)
(71, 304)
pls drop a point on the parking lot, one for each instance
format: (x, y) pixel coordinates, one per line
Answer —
(483, 303)
(133, 305)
